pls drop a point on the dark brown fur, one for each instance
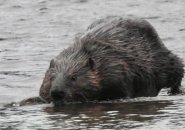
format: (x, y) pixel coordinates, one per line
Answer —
(115, 58)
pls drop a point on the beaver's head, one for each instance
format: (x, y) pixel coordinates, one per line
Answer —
(71, 78)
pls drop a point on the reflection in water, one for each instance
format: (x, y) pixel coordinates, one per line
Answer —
(108, 115)
(91, 115)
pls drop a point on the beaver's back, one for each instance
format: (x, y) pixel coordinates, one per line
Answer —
(133, 36)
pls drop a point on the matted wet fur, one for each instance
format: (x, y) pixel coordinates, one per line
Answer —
(115, 58)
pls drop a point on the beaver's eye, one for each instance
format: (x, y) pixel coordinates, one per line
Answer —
(73, 78)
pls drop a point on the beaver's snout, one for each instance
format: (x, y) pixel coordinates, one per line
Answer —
(57, 95)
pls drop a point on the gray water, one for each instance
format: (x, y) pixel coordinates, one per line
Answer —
(34, 31)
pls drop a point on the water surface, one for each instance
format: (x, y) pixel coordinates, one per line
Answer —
(32, 32)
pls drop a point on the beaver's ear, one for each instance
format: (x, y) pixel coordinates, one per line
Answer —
(91, 63)
(52, 64)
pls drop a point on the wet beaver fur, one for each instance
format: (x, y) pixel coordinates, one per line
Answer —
(115, 58)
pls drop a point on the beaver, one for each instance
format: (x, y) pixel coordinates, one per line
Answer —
(116, 57)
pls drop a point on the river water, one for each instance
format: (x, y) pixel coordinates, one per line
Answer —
(32, 32)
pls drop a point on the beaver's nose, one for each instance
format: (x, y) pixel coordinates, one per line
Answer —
(57, 95)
